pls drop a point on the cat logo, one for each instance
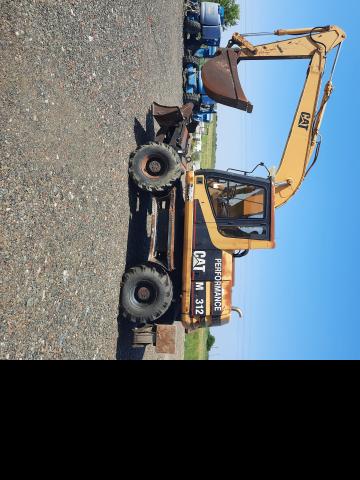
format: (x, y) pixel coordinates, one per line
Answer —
(199, 261)
(304, 121)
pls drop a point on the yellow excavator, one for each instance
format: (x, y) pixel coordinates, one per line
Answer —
(227, 214)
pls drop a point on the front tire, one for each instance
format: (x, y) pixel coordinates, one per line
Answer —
(155, 167)
(146, 294)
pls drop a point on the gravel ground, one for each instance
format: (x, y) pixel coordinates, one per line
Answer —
(77, 79)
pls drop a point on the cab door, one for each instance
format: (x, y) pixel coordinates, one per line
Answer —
(240, 205)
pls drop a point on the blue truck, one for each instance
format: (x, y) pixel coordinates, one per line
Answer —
(203, 117)
(203, 23)
(194, 90)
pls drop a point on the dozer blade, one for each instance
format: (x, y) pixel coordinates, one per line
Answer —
(221, 80)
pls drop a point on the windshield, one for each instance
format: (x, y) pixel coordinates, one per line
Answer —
(236, 200)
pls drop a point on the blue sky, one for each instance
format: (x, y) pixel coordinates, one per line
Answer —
(300, 300)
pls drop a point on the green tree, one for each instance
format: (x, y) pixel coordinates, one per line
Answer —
(210, 342)
(232, 12)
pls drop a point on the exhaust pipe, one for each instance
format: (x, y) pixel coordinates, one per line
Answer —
(238, 311)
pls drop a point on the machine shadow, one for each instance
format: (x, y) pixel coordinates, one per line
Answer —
(138, 241)
(137, 252)
(138, 245)
(147, 134)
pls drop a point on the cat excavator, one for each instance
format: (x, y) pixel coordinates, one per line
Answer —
(226, 214)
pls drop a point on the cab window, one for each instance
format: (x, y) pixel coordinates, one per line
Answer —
(236, 200)
(242, 231)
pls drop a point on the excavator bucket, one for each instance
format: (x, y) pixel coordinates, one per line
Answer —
(169, 116)
(221, 80)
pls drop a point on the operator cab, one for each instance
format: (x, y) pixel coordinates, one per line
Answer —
(241, 204)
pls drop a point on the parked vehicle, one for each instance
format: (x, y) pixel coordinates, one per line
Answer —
(203, 23)
(204, 106)
(204, 116)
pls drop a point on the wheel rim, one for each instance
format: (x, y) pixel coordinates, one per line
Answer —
(153, 166)
(145, 293)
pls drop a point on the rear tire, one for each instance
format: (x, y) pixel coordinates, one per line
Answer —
(192, 26)
(146, 294)
(155, 167)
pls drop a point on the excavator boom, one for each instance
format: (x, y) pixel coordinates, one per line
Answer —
(220, 75)
(221, 81)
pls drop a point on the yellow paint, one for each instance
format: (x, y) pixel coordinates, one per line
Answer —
(227, 245)
(227, 266)
(208, 299)
(187, 250)
(219, 241)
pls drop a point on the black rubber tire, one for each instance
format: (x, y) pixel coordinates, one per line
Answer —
(194, 98)
(170, 172)
(192, 26)
(159, 303)
(194, 6)
(191, 59)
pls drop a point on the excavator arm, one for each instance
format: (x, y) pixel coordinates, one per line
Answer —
(221, 81)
